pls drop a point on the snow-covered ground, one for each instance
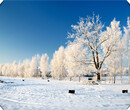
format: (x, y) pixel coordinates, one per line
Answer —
(38, 94)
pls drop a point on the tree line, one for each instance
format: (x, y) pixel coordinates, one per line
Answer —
(91, 47)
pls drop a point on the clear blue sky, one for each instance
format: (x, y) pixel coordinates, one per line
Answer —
(28, 28)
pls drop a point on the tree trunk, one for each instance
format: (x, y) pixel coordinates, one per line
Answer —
(121, 69)
(114, 72)
(114, 78)
(98, 76)
(79, 78)
(70, 78)
(129, 74)
(129, 63)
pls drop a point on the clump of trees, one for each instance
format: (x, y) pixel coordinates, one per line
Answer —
(100, 44)
(91, 47)
(28, 68)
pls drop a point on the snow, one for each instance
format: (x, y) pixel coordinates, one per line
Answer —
(38, 94)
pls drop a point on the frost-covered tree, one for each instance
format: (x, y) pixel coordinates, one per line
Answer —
(34, 65)
(127, 35)
(6, 69)
(15, 69)
(129, 60)
(54, 66)
(1, 69)
(113, 33)
(117, 57)
(9, 69)
(57, 64)
(44, 64)
(21, 70)
(122, 50)
(26, 69)
(75, 60)
(38, 64)
(26, 64)
(112, 64)
(88, 31)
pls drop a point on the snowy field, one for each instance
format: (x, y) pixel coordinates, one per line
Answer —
(38, 94)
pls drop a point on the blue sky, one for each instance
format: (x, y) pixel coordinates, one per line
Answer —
(31, 27)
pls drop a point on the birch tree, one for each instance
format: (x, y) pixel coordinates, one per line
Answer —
(34, 65)
(122, 50)
(127, 35)
(112, 63)
(57, 64)
(1, 69)
(129, 54)
(21, 69)
(14, 68)
(44, 64)
(26, 64)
